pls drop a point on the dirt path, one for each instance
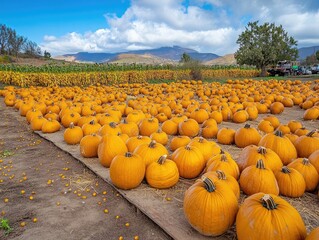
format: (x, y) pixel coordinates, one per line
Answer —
(63, 191)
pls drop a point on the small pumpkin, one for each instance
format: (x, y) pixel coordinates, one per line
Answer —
(188, 128)
(189, 160)
(294, 125)
(210, 206)
(148, 126)
(311, 114)
(73, 134)
(307, 144)
(270, 217)
(291, 183)
(127, 170)
(254, 179)
(265, 126)
(207, 148)
(277, 108)
(110, 146)
(162, 174)
(273, 120)
(247, 136)
(308, 171)
(90, 128)
(129, 128)
(226, 136)
(133, 142)
(50, 126)
(37, 122)
(314, 160)
(111, 128)
(179, 141)
(280, 145)
(89, 145)
(225, 163)
(160, 137)
(170, 127)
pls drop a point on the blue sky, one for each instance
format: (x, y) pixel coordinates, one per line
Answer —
(71, 26)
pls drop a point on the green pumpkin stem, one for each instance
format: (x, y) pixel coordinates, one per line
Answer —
(260, 164)
(221, 175)
(285, 170)
(209, 185)
(162, 159)
(311, 133)
(268, 202)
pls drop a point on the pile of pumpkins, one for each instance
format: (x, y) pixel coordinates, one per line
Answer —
(163, 132)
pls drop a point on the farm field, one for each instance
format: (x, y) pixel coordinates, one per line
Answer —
(159, 112)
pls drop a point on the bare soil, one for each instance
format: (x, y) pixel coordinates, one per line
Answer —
(63, 193)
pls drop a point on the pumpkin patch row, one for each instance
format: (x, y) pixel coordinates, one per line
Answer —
(163, 132)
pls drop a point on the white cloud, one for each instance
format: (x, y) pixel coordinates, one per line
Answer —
(151, 24)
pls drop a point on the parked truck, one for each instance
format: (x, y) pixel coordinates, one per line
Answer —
(284, 68)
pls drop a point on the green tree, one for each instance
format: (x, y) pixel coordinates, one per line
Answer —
(317, 55)
(185, 58)
(262, 45)
(46, 55)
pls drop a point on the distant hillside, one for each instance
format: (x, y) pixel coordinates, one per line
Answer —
(126, 58)
(228, 59)
(307, 51)
(169, 53)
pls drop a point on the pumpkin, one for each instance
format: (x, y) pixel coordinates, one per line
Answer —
(170, 127)
(240, 116)
(311, 113)
(110, 146)
(189, 160)
(277, 108)
(210, 206)
(226, 178)
(162, 174)
(308, 171)
(199, 115)
(265, 126)
(133, 142)
(50, 126)
(283, 128)
(209, 131)
(111, 128)
(307, 144)
(314, 160)
(160, 137)
(73, 134)
(280, 145)
(90, 128)
(209, 122)
(294, 125)
(247, 136)
(251, 154)
(70, 117)
(252, 112)
(217, 116)
(292, 137)
(313, 235)
(273, 120)
(267, 216)
(206, 147)
(226, 136)
(150, 152)
(179, 141)
(188, 128)
(127, 170)
(89, 145)
(129, 128)
(254, 179)
(301, 131)
(148, 126)
(225, 163)
(291, 183)
(37, 122)
(33, 113)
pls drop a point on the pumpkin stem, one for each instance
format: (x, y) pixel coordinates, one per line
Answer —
(309, 134)
(221, 151)
(278, 133)
(71, 125)
(268, 202)
(262, 150)
(112, 124)
(247, 125)
(152, 144)
(201, 139)
(128, 154)
(305, 161)
(285, 169)
(162, 159)
(187, 147)
(260, 164)
(223, 158)
(209, 185)
(221, 175)
(92, 122)
(139, 137)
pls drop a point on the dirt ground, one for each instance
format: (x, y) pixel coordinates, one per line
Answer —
(63, 192)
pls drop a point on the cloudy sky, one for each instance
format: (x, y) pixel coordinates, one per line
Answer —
(70, 26)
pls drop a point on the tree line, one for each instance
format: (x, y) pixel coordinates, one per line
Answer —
(13, 44)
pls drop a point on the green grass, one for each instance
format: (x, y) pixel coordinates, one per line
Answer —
(4, 224)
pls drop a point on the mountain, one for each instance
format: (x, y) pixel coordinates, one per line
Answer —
(228, 59)
(307, 51)
(169, 53)
(126, 58)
